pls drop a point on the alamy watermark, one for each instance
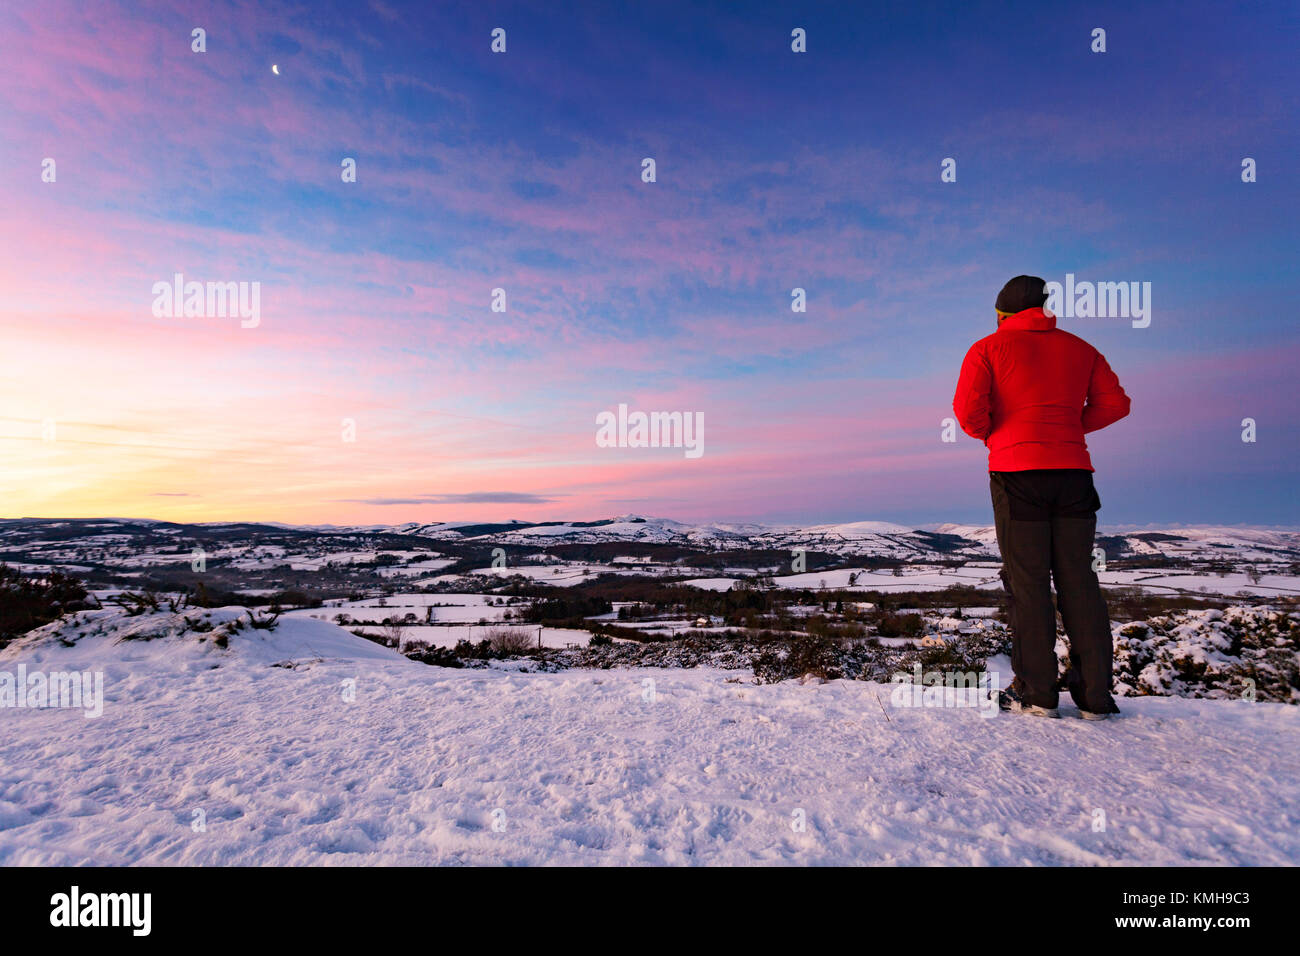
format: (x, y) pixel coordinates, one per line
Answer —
(132, 911)
(977, 689)
(1101, 300)
(208, 300)
(81, 689)
(651, 430)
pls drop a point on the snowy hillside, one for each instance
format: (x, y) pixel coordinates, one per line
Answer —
(428, 766)
(128, 542)
(880, 538)
(207, 638)
(210, 754)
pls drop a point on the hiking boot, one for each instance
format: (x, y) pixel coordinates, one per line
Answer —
(1094, 715)
(1009, 699)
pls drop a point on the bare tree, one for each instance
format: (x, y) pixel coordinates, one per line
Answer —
(394, 629)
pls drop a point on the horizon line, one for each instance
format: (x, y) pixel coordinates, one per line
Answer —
(926, 526)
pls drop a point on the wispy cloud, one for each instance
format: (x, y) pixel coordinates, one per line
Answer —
(522, 172)
(468, 498)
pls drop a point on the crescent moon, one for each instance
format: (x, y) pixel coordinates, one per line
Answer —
(275, 68)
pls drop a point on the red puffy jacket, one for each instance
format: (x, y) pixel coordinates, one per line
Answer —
(1030, 391)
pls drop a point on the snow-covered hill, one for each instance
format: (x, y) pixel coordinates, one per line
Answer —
(189, 638)
(108, 548)
(249, 764)
(869, 538)
(218, 743)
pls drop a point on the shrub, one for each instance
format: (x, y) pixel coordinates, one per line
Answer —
(260, 623)
(509, 642)
(801, 654)
(890, 624)
(379, 639)
(27, 603)
(465, 650)
(135, 604)
(435, 656)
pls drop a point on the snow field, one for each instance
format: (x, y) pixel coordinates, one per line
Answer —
(434, 766)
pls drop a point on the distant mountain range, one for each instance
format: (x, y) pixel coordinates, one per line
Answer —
(864, 538)
(29, 537)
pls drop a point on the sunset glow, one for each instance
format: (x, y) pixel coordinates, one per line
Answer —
(522, 171)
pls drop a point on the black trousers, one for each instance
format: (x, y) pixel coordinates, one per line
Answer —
(1046, 520)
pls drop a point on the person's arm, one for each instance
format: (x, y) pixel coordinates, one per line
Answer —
(973, 402)
(1107, 402)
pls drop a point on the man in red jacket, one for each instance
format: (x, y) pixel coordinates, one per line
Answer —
(1030, 392)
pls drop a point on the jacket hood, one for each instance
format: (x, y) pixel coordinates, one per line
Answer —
(1030, 320)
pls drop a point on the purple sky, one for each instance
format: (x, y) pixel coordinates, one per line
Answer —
(522, 171)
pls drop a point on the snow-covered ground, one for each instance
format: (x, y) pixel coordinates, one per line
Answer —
(425, 765)
(454, 617)
(984, 575)
(558, 573)
(447, 606)
(1188, 582)
(1204, 560)
(451, 635)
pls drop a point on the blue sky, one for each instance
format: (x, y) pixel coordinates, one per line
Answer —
(521, 170)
